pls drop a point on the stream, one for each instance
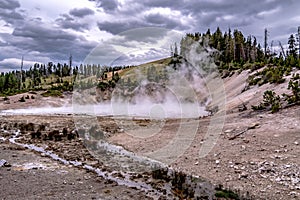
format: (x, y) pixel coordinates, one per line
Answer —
(167, 178)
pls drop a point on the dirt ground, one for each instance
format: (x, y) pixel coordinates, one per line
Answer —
(32, 176)
(256, 153)
(264, 160)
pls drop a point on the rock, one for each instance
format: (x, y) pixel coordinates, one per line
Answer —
(4, 163)
(246, 141)
(244, 175)
(293, 193)
(253, 125)
(296, 143)
(217, 162)
(228, 131)
(196, 163)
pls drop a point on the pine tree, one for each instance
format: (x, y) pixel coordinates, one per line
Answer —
(292, 46)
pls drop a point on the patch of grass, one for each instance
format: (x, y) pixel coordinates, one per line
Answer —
(227, 194)
(52, 93)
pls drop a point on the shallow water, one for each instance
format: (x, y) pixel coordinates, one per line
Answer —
(122, 176)
(106, 175)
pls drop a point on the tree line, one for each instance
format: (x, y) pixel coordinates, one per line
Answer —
(43, 76)
(236, 52)
(235, 49)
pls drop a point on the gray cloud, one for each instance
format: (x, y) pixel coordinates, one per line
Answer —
(48, 41)
(163, 21)
(203, 13)
(52, 34)
(137, 46)
(67, 22)
(81, 12)
(145, 34)
(136, 59)
(108, 5)
(120, 26)
(151, 20)
(8, 11)
(9, 4)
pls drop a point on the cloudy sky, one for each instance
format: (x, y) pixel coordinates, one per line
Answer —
(51, 30)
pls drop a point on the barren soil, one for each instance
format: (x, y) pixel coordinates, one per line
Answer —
(257, 153)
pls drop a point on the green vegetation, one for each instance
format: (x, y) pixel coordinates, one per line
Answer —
(234, 53)
(224, 193)
(55, 77)
(52, 93)
(270, 74)
(271, 102)
(295, 97)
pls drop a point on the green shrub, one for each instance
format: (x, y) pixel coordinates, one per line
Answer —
(270, 74)
(271, 102)
(295, 76)
(52, 93)
(295, 97)
(103, 85)
(227, 194)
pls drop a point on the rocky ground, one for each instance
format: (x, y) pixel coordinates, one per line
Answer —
(256, 153)
(27, 175)
(71, 163)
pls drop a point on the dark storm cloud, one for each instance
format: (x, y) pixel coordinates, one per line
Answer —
(51, 33)
(54, 43)
(244, 10)
(37, 32)
(203, 13)
(81, 12)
